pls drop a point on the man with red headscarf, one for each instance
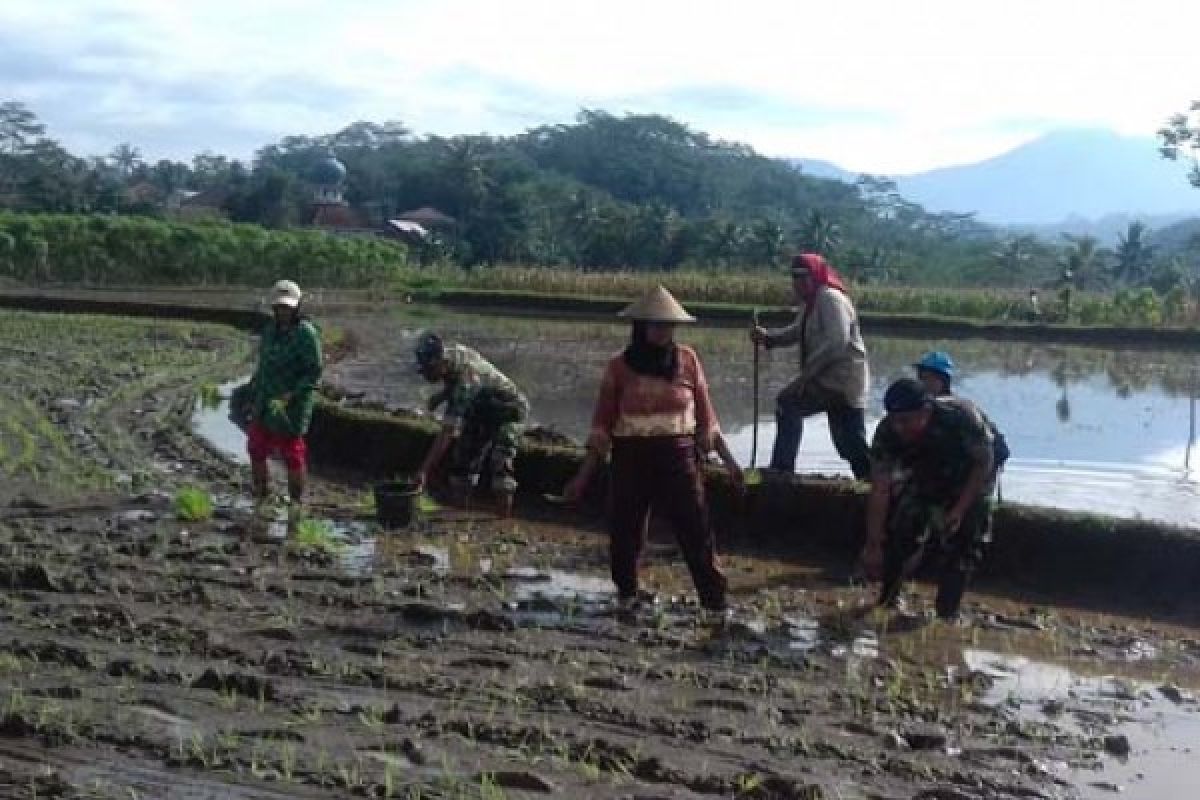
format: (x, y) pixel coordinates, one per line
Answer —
(833, 367)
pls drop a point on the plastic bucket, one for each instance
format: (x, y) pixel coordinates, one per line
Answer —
(396, 503)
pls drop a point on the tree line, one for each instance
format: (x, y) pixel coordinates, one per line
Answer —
(637, 192)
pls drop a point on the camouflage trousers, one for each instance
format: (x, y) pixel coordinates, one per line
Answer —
(916, 534)
(486, 445)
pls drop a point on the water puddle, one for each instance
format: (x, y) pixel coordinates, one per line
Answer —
(559, 585)
(387, 759)
(838, 637)
(210, 421)
(1160, 732)
(1016, 678)
(543, 597)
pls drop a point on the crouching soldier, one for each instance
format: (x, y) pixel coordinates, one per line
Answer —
(483, 420)
(931, 475)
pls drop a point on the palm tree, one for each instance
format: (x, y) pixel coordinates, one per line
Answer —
(765, 241)
(820, 235)
(1014, 254)
(726, 238)
(1133, 254)
(125, 157)
(1082, 259)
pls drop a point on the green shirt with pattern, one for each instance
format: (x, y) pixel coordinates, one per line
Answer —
(467, 372)
(289, 362)
(940, 461)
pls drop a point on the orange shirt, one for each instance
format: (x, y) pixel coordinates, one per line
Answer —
(641, 405)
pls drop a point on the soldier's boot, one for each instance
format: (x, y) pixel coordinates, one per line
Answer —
(951, 588)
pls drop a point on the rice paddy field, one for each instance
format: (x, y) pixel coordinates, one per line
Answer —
(155, 642)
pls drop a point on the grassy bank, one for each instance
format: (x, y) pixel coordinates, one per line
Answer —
(772, 289)
(874, 322)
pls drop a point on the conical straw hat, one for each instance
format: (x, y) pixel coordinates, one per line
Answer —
(657, 306)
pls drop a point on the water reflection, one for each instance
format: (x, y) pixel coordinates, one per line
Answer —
(210, 421)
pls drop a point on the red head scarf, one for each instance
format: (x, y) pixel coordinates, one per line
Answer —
(821, 273)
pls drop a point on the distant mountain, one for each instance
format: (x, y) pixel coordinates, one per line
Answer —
(1106, 229)
(1181, 237)
(1077, 174)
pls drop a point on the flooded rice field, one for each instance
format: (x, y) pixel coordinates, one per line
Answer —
(143, 655)
(1095, 430)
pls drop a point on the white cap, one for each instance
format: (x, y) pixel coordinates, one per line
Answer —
(285, 293)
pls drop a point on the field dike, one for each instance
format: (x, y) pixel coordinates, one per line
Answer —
(1040, 555)
(1094, 561)
(909, 325)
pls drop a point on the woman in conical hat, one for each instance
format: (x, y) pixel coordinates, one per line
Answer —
(654, 415)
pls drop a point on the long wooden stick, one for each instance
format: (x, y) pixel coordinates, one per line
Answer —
(754, 435)
(1187, 457)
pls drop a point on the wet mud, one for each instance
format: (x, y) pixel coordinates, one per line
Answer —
(143, 655)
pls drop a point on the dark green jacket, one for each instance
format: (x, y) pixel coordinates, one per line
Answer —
(288, 363)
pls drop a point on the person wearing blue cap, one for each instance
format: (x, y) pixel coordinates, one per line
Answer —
(931, 468)
(936, 372)
(484, 418)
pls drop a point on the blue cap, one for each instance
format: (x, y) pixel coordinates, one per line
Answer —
(937, 361)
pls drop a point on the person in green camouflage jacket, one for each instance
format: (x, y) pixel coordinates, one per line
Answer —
(931, 480)
(484, 418)
(282, 394)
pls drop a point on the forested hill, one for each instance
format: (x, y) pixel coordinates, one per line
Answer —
(638, 191)
(605, 191)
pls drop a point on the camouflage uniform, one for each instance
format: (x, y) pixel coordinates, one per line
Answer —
(927, 478)
(488, 413)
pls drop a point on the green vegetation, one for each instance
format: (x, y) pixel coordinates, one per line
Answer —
(315, 535)
(193, 505)
(1125, 307)
(642, 192)
(210, 396)
(99, 249)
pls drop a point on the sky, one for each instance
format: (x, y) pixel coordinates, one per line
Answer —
(880, 86)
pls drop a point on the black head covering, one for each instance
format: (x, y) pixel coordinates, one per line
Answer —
(645, 358)
(905, 395)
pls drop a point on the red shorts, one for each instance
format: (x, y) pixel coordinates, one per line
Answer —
(262, 444)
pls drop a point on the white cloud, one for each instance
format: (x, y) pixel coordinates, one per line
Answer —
(938, 81)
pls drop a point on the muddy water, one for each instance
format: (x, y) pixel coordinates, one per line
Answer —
(1162, 731)
(1090, 429)
(212, 423)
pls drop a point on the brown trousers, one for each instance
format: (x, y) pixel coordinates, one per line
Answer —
(661, 473)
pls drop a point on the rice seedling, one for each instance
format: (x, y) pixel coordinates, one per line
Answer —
(316, 535)
(193, 505)
(210, 396)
